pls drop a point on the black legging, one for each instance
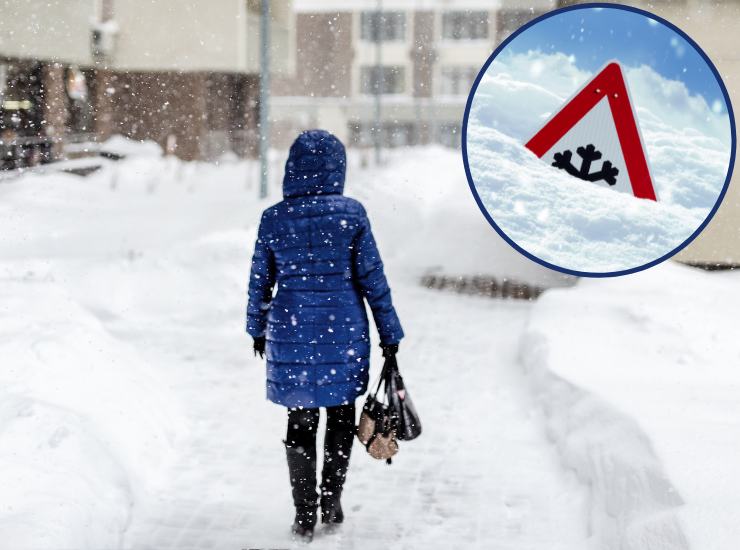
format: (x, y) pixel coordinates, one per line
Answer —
(303, 423)
(340, 431)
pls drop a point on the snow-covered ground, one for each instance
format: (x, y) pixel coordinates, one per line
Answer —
(638, 378)
(575, 224)
(133, 414)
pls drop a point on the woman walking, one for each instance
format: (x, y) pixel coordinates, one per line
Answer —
(316, 247)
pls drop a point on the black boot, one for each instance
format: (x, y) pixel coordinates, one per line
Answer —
(302, 468)
(340, 430)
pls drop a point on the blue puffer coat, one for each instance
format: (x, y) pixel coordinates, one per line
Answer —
(317, 247)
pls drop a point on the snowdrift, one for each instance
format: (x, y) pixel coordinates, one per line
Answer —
(426, 220)
(84, 428)
(638, 384)
(567, 222)
(124, 147)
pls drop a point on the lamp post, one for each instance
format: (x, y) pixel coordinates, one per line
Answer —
(264, 122)
(378, 80)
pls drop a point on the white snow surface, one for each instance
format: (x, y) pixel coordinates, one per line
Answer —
(638, 380)
(133, 414)
(574, 224)
(430, 222)
(84, 427)
(127, 147)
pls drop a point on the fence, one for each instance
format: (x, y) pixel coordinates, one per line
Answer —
(480, 285)
(24, 152)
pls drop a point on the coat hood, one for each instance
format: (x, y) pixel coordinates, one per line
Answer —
(316, 165)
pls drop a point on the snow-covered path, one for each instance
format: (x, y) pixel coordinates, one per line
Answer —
(482, 476)
(128, 287)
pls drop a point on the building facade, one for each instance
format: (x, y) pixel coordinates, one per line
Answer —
(713, 25)
(430, 53)
(184, 73)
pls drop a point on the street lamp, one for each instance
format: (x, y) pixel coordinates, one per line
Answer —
(378, 79)
(264, 122)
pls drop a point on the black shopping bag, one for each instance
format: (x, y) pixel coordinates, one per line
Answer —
(400, 403)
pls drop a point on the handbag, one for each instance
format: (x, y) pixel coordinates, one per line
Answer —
(377, 427)
(392, 417)
(409, 423)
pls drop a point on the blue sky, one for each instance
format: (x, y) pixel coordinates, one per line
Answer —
(597, 35)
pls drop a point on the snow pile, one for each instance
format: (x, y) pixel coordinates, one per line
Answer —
(416, 201)
(639, 388)
(125, 147)
(568, 222)
(84, 428)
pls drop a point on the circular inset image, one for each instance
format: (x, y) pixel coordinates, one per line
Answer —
(598, 140)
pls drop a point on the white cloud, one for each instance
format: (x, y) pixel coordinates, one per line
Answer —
(672, 103)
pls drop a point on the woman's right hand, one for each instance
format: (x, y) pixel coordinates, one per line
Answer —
(259, 346)
(389, 350)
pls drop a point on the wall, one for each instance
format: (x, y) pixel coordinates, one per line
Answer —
(714, 27)
(188, 35)
(195, 35)
(153, 35)
(152, 106)
(323, 57)
(56, 30)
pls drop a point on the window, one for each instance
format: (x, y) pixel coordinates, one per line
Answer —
(465, 25)
(457, 80)
(383, 26)
(509, 20)
(392, 134)
(448, 134)
(382, 80)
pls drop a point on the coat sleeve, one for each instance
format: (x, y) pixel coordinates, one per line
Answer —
(370, 278)
(261, 283)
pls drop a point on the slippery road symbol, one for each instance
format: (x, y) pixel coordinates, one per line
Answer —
(600, 114)
(588, 154)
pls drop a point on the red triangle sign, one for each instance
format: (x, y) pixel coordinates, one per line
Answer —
(595, 137)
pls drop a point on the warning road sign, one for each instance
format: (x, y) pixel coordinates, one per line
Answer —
(595, 137)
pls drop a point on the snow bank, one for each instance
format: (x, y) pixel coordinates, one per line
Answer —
(565, 222)
(569, 222)
(85, 429)
(639, 388)
(631, 501)
(415, 204)
(126, 147)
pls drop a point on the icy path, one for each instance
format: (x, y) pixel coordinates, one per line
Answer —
(482, 475)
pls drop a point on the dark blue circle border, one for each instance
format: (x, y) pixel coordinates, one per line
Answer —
(489, 218)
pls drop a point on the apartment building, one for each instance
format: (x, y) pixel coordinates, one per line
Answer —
(184, 73)
(429, 52)
(713, 25)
